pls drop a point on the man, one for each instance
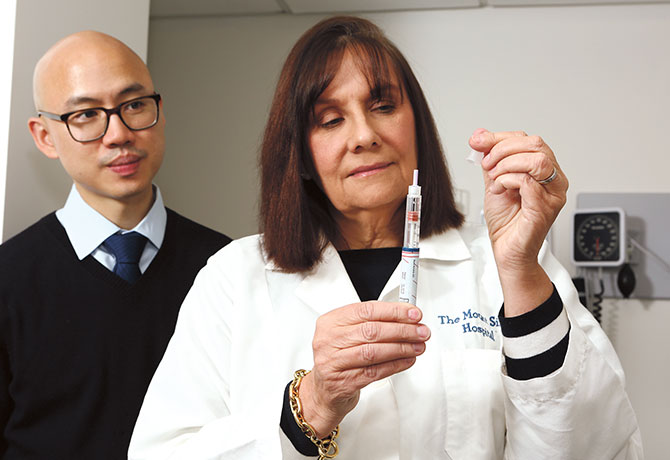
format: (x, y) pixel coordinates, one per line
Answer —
(89, 295)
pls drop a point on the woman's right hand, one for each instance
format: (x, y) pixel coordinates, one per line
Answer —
(354, 346)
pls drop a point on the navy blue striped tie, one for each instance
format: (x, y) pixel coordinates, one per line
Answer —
(127, 248)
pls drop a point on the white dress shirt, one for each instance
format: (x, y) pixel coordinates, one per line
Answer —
(87, 229)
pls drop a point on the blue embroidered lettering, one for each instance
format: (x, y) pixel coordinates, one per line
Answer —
(445, 319)
(474, 314)
(478, 330)
(493, 321)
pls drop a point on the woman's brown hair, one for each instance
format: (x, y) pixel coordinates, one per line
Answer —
(294, 214)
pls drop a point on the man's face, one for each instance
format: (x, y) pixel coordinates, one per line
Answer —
(122, 164)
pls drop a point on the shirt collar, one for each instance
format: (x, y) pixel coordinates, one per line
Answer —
(85, 238)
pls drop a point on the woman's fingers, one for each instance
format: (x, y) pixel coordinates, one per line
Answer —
(368, 354)
(516, 144)
(483, 140)
(367, 335)
(376, 332)
(374, 311)
(501, 145)
(366, 364)
(375, 372)
(354, 346)
(374, 354)
(537, 166)
(510, 155)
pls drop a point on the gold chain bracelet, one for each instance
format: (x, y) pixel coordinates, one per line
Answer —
(327, 446)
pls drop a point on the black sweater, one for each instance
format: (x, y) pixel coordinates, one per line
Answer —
(79, 345)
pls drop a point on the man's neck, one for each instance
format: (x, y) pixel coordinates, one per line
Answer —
(126, 213)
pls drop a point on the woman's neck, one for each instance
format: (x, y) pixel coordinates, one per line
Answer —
(368, 229)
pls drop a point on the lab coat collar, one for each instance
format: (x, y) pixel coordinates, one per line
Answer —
(447, 246)
(327, 285)
(443, 246)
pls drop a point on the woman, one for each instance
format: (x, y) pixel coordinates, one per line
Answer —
(318, 290)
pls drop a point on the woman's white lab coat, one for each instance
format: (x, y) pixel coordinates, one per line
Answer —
(245, 327)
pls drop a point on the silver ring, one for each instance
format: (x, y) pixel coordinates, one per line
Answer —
(550, 178)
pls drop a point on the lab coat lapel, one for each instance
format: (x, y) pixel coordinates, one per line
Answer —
(327, 286)
(448, 246)
(418, 391)
(419, 394)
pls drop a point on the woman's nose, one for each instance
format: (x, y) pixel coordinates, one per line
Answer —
(363, 135)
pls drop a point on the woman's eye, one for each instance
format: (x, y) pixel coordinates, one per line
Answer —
(330, 123)
(384, 107)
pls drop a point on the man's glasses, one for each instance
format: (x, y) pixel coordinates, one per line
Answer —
(89, 125)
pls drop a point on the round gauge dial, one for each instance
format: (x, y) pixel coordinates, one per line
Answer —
(597, 237)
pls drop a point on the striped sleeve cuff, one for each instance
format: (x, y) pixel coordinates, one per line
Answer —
(535, 343)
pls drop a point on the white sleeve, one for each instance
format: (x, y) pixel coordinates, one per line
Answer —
(187, 412)
(581, 411)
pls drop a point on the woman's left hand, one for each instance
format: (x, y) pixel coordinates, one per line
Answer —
(520, 205)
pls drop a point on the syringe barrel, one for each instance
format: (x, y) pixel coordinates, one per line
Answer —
(412, 221)
(409, 275)
(409, 264)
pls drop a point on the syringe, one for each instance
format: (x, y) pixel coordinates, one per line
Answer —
(409, 265)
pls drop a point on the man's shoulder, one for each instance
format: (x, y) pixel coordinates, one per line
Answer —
(31, 249)
(38, 235)
(185, 228)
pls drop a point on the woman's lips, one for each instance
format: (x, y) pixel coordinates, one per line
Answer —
(368, 170)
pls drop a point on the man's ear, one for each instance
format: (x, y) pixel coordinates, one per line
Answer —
(42, 137)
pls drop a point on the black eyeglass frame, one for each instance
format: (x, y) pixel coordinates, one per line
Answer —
(115, 110)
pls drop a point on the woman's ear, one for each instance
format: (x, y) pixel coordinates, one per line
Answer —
(42, 137)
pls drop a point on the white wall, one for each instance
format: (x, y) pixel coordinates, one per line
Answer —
(7, 19)
(35, 184)
(594, 81)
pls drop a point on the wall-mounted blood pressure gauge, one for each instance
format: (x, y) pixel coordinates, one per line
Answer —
(598, 237)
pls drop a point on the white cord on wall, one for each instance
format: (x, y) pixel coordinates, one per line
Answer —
(650, 253)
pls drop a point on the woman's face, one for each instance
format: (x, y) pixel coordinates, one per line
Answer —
(364, 150)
